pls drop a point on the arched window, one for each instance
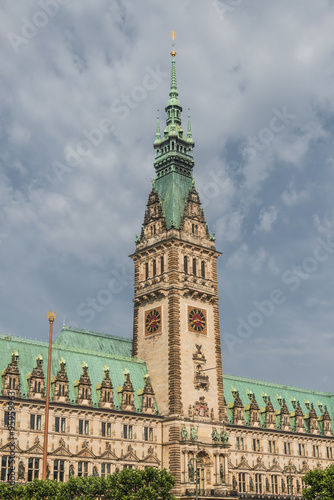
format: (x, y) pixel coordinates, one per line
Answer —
(162, 265)
(203, 268)
(146, 270)
(194, 267)
(154, 268)
(185, 264)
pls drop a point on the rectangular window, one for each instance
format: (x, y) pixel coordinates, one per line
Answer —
(38, 422)
(329, 453)
(105, 469)
(256, 445)
(103, 429)
(33, 468)
(148, 434)
(80, 426)
(287, 448)
(242, 482)
(6, 419)
(83, 469)
(5, 465)
(162, 265)
(316, 451)
(130, 432)
(63, 424)
(86, 427)
(272, 446)
(258, 483)
(58, 470)
(240, 443)
(57, 420)
(32, 422)
(125, 432)
(109, 429)
(274, 485)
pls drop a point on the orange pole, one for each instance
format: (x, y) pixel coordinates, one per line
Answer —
(51, 317)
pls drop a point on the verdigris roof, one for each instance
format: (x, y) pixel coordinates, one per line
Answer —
(277, 392)
(173, 190)
(77, 347)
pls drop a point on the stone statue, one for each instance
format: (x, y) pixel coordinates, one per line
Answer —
(224, 437)
(215, 436)
(251, 484)
(47, 470)
(95, 473)
(221, 474)
(298, 487)
(191, 472)
(283, 486)
(193, 434)
(21, 471)
(184, 434)
(71, 472)
(267, 484)
(234, 483)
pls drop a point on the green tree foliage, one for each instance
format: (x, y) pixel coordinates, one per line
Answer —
(134, 484)
(320, 484)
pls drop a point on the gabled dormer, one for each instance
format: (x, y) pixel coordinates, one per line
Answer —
(10, 377)
(326, 423)
(148, 397)
(35, 380)
(83, 387)
(270, 415)
(237, 410)
(312, 421)
(105, 391)
(299, 419)
(126, 393)
(285, 417)
(254, 414)
(59, 384)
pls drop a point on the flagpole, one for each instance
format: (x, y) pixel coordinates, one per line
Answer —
(51, 317)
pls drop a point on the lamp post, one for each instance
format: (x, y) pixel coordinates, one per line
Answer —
(289, 469)
(51, 317)
(196, 460)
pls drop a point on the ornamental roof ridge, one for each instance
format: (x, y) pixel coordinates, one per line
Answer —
(77, 350)
(276, 385)
(99, 334)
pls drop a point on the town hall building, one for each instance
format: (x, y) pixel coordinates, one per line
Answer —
(161, 399)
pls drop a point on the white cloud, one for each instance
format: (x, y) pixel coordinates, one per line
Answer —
(267, 218)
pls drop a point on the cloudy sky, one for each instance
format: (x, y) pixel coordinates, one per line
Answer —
(81, 84)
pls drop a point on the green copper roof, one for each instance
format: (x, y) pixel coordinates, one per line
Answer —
(174, 159)
(102, 342)
(103, 350)
(173, 190)
(277, 392)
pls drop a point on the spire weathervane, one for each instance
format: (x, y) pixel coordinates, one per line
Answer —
(173, 53)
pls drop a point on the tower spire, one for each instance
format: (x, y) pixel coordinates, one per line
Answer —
(158, 135)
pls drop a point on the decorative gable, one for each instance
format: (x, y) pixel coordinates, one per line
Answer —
(83, 387)
(270, 415)
(130, 456)
(127, 394)
(254, 415)
(299, 419)
(285, 417)
(105, 391)
(85, 452)
(148, 397)
(62, 451)
(59, 384)
(326, 423)
(238, 410)
(10, 377)
(36, 380)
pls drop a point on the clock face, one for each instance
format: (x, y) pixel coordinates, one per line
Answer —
(196, 320)
(153, 321)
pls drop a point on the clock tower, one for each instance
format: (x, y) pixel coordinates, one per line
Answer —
(176, 317)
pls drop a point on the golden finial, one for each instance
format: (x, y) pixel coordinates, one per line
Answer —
(51, 316)
(173, 53)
